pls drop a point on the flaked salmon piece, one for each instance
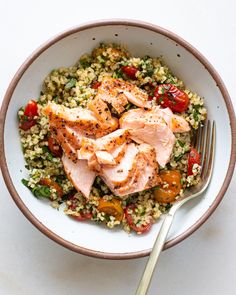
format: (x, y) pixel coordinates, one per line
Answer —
(146, 175)
(118, 93)
(69, 139)
(179, 124)
(93, 164)
(119, 151)
(121, 173)
(87, 148)
(84, 119)
(107, 143)
(105, 158)
(102, 157)
(59, 114)
(74, 136)
(112, 140)
(137, 171)
(68, 148)
(150, 127)
(175, 122)
(79, 174)
(100, 110)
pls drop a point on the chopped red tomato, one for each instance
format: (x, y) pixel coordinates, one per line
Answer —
(169, 96)
(84, 213)
(27, 120)
(150, 97)
(130, 71)
(54, 148)
(83, 216)
(26, 124)
(31, 109)
(193, 158)
(95, 85)
(139, 229)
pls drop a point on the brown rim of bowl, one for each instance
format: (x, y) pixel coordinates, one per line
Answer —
(179, 41)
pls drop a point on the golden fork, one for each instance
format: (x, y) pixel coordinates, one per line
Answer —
(205, 144)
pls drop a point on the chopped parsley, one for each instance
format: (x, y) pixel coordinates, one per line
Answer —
(49, 155)
(41, 191)
(181, 143)
(70, 84)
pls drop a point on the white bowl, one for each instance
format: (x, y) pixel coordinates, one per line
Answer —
(141, 39)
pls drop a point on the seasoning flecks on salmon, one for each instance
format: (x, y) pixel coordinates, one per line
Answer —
(127, 159)
(156, 128)
(118, 93)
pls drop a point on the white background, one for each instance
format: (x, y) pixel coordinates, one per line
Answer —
(205, 263)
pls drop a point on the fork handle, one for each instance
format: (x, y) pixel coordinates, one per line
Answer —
(157, 248)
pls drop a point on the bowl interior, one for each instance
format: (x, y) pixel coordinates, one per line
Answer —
(140, 42)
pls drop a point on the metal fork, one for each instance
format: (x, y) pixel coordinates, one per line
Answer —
(205, 144)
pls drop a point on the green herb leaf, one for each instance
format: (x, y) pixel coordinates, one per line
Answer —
(118, 74)
(155, 187)
(178, 157)
(146, 57)
(85, 63)
(56, 97)
(168, 206)
(101, 60)
(49, 155)
(60, 178)
(181, 143)
(21, 109)
(149, 69)
(70, 84)
(25, 182)
(128, 106)
(195, 115)
(41, 191)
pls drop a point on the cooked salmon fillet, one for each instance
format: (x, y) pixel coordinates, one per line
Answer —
(80, 118)
(150, 127)
(108, 143)
(100, 110)
(137, 171)
(175, 122)
(79, 174)
(146, 174)
(127, 159)
(118, 93)
(105, 158)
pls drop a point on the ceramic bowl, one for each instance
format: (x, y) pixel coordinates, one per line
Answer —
(141, 39)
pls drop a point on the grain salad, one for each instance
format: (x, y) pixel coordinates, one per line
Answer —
(78, 87)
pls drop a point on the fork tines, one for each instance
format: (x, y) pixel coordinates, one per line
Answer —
(205, 145)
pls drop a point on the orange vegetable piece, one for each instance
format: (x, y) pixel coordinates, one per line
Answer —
(170, 186)
(112, 207)
(50, 183)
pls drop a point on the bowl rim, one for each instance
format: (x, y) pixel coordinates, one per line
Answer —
(101, 23)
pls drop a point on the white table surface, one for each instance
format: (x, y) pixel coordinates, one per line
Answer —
(205, 263)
